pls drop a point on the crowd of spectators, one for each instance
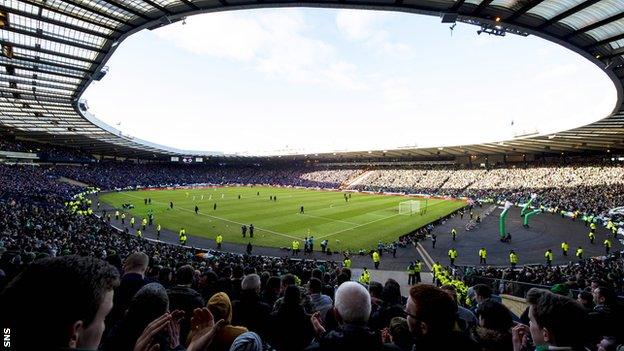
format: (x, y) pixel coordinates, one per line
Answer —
(129, 175)
(70, 280)
(604, 271)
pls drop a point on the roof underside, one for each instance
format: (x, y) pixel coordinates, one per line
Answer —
(52, 50)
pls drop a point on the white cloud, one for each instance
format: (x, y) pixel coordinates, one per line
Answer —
(366, 27)
(223, 35)
(279, 43)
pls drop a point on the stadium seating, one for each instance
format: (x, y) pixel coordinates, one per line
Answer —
(53, 259)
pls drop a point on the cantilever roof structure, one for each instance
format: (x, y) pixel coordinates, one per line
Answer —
(52, 50)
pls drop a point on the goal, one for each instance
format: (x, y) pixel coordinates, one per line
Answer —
(412, 207)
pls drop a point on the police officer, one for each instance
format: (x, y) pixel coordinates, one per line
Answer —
(607, 245)
(453, 233)
(452, 254)
(139, 234)
(219, 241)
(295, 247)
(417, 270)
(123, 218)
(182, 236)
(564, 248)
(579, 253)
(364, 277)
(549, 257)
(244, 230)
(592, 237)
(376, 259)
(158, 231)
(346, 262)
(144, 223)
(251, 230)
(482, 256)
(513, 259)
(411, 274)
(132, 222)
(434, 239)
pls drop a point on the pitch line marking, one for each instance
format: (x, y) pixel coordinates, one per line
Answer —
(220, 218)
(373, 221)
(357, 226)
(329, 219)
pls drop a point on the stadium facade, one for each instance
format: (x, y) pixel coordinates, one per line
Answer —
(52, 51)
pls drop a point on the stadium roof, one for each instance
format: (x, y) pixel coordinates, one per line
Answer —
(52, 50)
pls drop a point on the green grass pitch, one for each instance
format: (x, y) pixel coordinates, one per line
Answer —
(357, 224)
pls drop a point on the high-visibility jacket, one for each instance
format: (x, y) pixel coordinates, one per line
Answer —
(219, 239)
(158, 227)
(482, 253)
(610, 224)
(123, 216)
(132, 220)
(139, 234)
(418, 267)
(182, 232)
(592, 226)
(453, 232)
(116, 213)
(513, 258)
(591, 235)
(183, 239)
(144, 221)
(565, 246)
(579, 252)
(411, 269)
(295, 245)
(436, 268)
(607, 243)
(549, 255)
(364, 278)
(452, 253)
(376, 257)
(347, 263)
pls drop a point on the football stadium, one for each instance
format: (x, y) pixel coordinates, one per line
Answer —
(316, 222)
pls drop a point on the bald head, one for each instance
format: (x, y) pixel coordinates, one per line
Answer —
(353, 303)
(251, 282)
(137, 262)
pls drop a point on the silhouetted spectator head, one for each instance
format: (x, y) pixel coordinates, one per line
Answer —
(315, 286)
(482, 292)
(604, 296)
(375, 289)
(493, 315)
(137, 262)
(431, 312)
(391, 292)
(59, 302)
(287, 280)
(184, 275)
(586, 299)
(556, 320)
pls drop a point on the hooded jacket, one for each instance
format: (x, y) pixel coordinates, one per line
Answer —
(221, 308)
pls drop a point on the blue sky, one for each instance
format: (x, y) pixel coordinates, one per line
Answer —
(313, 80)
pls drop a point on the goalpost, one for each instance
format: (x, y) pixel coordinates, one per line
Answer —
(413, 206)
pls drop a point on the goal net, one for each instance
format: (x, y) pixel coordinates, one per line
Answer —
(412, 207)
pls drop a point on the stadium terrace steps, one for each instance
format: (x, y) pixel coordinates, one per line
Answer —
(349, 183)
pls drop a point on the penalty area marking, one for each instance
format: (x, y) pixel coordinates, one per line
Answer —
(329, 219)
